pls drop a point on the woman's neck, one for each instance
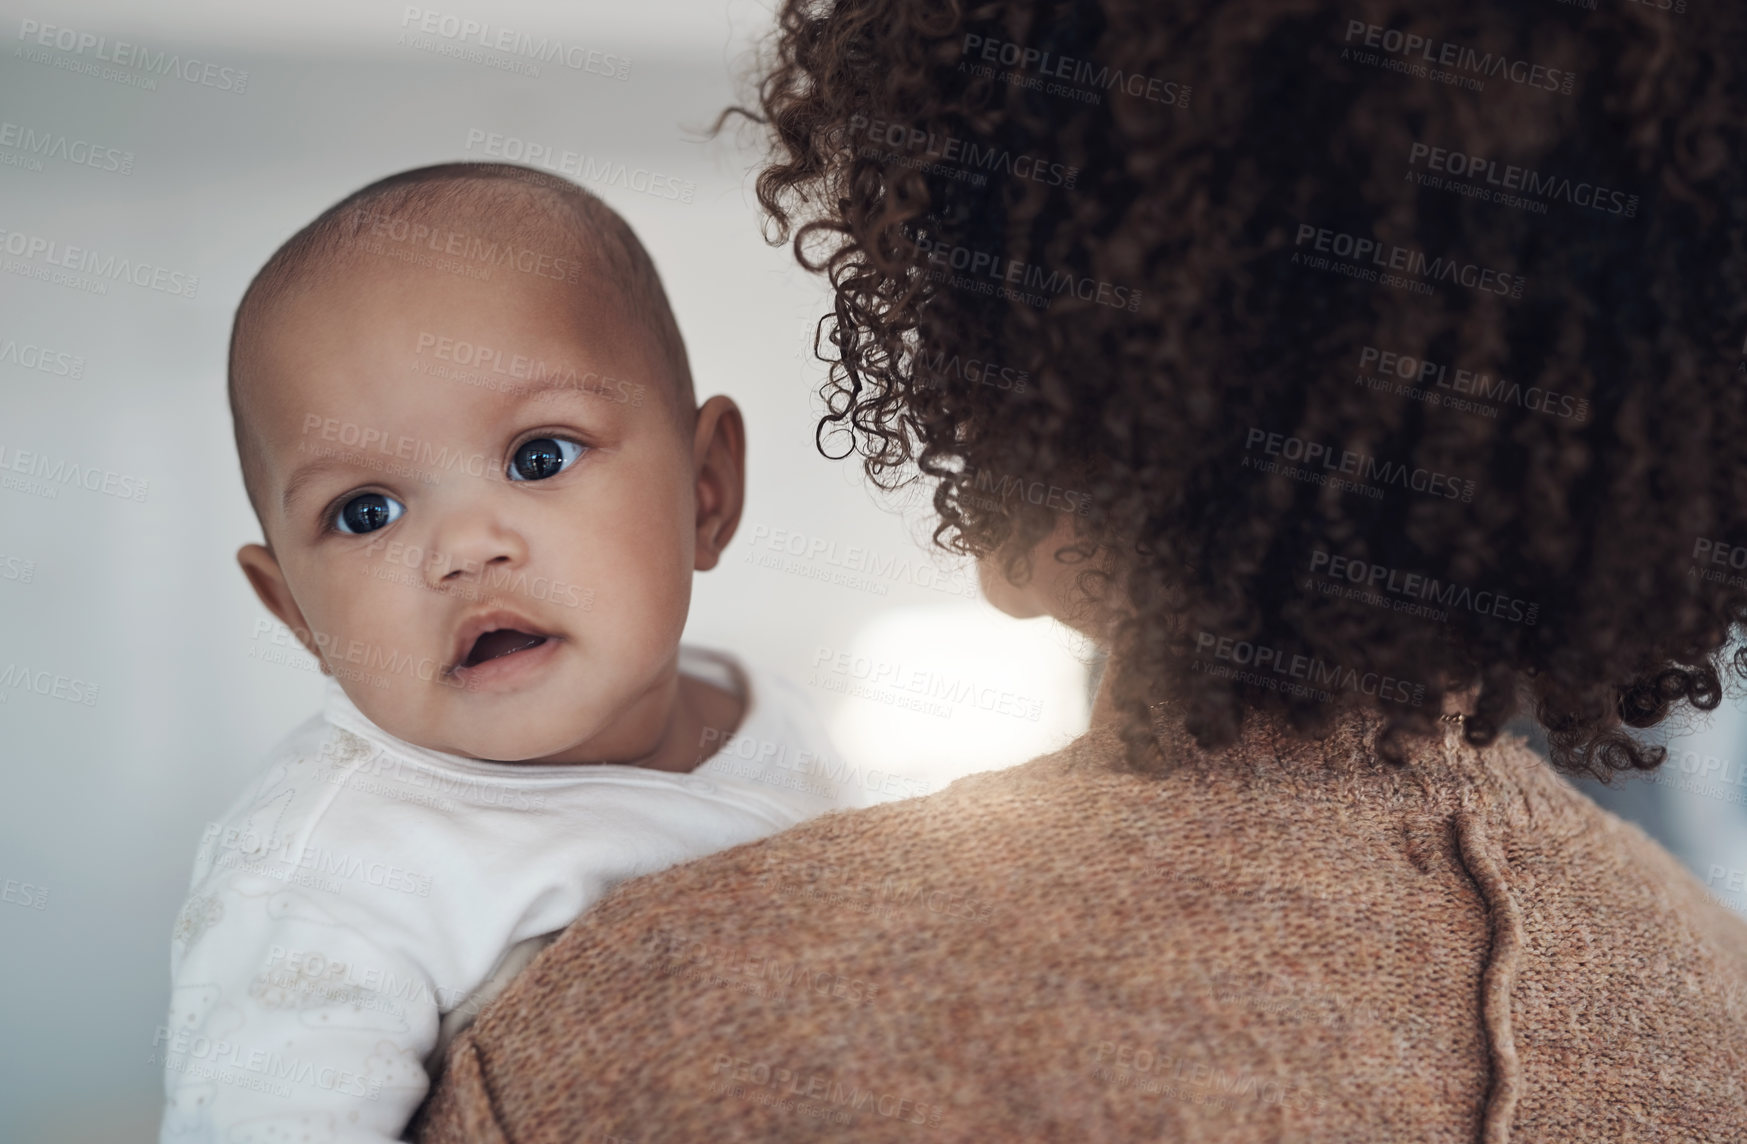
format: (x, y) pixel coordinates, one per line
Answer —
(1105, 710)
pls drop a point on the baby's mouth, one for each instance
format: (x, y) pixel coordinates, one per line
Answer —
(493, 635)
(499, 643)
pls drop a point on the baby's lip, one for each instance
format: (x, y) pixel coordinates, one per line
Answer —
(497, 619)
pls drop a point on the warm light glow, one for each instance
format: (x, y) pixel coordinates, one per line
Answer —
(935, 692)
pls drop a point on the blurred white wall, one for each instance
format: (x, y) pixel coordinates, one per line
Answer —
(172, 693)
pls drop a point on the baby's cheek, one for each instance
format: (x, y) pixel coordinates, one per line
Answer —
(384, 643)
(645, 551)
(631, 560)
(644, 595)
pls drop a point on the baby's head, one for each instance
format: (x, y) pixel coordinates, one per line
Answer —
(467, 428)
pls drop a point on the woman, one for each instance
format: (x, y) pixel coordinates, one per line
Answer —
(1379, 365)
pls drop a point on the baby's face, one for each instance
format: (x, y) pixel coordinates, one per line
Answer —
(489, 568)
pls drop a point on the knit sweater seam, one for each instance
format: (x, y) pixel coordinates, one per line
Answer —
(1476, 853)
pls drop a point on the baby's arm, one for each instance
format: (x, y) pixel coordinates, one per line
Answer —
(288, 1022)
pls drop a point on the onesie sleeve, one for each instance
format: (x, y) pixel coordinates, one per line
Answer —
(293, 1017)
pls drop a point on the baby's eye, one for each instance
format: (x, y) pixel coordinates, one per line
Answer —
(368, 513)
(543, 457)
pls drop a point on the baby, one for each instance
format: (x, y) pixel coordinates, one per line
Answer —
(467, 427)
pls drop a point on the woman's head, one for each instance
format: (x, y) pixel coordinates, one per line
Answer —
(1358, 354)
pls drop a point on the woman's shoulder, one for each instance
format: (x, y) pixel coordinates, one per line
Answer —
(1164, 955)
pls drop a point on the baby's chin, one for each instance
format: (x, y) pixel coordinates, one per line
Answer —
(559, 745)
(513, 740)
(505, 735)
(517, 746)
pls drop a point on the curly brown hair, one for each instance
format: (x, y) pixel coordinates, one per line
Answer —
(1447, 295)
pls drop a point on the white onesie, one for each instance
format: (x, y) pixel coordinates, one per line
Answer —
(352, 911)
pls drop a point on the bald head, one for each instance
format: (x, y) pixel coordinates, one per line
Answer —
(481, 220)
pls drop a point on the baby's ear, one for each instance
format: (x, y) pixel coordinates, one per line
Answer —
(262, 569)
(719, 457)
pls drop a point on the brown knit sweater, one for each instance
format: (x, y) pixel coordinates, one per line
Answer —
(1285, 940)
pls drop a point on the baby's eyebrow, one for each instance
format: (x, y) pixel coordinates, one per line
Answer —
(308, 474)
(545, 386)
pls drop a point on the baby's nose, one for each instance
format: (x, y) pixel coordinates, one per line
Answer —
(471, 544)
